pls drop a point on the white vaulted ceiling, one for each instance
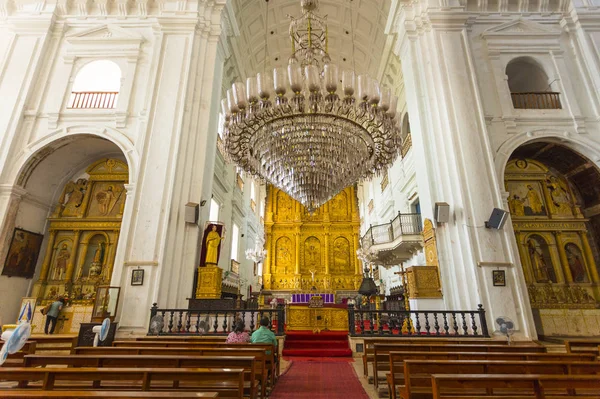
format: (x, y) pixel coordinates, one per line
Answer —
(247, 37)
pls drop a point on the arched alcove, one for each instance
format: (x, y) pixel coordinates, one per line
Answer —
(406, 135)
(529, 85)
(96, 86)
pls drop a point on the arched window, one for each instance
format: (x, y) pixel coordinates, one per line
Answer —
(406, 137)
(529, 85)
(96, 86)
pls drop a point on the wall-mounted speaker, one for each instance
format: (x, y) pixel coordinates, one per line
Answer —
(442, 212)
(497, 219)
(192, 212)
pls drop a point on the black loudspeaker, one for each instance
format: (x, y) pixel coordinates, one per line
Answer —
(497, 219)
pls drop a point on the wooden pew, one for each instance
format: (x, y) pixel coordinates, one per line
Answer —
(29, 394)
(275, 367)
(517, 386)
(249, 364)
(229, 383)
(16, 359)
(396, 375)
(45, 343)
(259, 351)
(417, 373)
(382, 351)
(183, 338)
(369, 344)
(583, 345)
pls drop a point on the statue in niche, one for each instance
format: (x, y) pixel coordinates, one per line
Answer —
(312, 254)
(284, 255)
(106, 199)
(96, 267)
(560, 196)
(576, 264)
(72, 197)
(60, 264)
(213, 240)
(341, 255)
(543, 272)
(534, 201)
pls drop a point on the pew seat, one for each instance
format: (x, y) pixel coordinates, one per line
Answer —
(30, 394)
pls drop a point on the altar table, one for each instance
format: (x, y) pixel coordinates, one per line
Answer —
(330, 317)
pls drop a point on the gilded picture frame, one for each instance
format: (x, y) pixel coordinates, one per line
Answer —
(235, 267)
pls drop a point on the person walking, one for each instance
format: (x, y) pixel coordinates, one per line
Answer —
(52, 315)
(238, 335)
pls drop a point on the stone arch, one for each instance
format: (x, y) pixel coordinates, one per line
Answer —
(526, 74)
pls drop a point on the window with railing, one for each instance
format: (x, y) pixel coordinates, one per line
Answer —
(529, 85)
(406, 136)
(96, 86)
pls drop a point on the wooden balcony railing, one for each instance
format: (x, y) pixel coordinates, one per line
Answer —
(541, 100)
(93, 100)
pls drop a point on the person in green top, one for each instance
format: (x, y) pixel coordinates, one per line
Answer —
(52, 315)
(263, 335)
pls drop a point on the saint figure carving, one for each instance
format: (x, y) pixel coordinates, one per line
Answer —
(535, 203)
(96, 267)
(517, 206)
(105, 200)
(575, 263)
(213, 240)
(538, 263)
(62, 258)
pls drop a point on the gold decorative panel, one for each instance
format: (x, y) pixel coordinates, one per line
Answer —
(424, 282)
(304, 318)
(301, 245)
(83, 235)
(552, 236)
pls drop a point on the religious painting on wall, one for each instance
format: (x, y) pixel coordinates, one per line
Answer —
(560, 195)
(541, 261)
(22, 254)
(62, 254)
(27, 310)
(526, 199)
(285, 207)
(214, 233)
(341, 255)
(312, 254)
(283, 255)
(576, 263)
(107, 199)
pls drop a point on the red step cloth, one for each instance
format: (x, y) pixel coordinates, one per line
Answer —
(324, 344)
(319, 379)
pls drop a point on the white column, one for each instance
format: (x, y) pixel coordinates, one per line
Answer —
(454, 164)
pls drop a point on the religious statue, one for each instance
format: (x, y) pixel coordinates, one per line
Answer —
(340, 255)
(576, 264)
(327, 283)
(96, 267)
(60, 266)
(284, 255)
(538, 263)
(560, 196)
(213, 240)
(105, 200)
(535, 203)
(517, 205)
(72, 197)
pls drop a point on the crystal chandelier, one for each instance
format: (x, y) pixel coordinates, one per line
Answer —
(295, 131)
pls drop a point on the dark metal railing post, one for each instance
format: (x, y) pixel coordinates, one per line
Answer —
(351, 325)
(483, 321)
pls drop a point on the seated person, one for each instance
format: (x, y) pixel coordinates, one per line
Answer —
(263, 335)
(238, 335)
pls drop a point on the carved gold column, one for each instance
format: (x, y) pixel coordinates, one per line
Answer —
(113, 254)
(563, 257)
(358, 262)
(73, 257)
(48, 256)
(589, 257)
(327, 233)
(558, 271)
(297, 257)
(527, 269)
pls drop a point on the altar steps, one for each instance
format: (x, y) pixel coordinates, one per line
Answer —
(324, 344)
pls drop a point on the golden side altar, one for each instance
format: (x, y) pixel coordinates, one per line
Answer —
(301, 317)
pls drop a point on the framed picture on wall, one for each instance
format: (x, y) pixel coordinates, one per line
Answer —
(137, 277)
(235, 266)
(22, 254)
(499, 278)
(27, 310)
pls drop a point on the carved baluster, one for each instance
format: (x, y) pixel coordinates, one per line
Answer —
(216, 324)
(464, 324)
(446, 328)
(179, 323)
(188, 321)
(455, 324)
(243, 316)
(435, 324)
(171, 322)
(225, 322)
(427, 328)
(418, 324)
(371, 321)
(359, 322)
(473, 324)
(252, 321)
(380, 322)
(198, 323)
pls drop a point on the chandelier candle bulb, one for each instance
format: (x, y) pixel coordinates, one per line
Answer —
(331, 78)
(265, 84)
(233, 108)
(279, 81)
(251, 90)
(239, 95)
(225, 108)
(375, 92)
(364, 91)
(391, 112)
(295, 74)
(348, 83)
(313, 80)
(385, 99)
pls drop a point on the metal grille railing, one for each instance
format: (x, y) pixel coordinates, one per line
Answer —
(403, 223)
(422, 323)
(540, 100)
(93, 100)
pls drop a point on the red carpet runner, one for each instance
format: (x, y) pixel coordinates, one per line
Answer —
(319, 379)
(325, 344)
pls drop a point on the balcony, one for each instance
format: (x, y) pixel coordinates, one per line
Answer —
(406, 145)
(93, 100)
(536, 100)
(397, 241)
